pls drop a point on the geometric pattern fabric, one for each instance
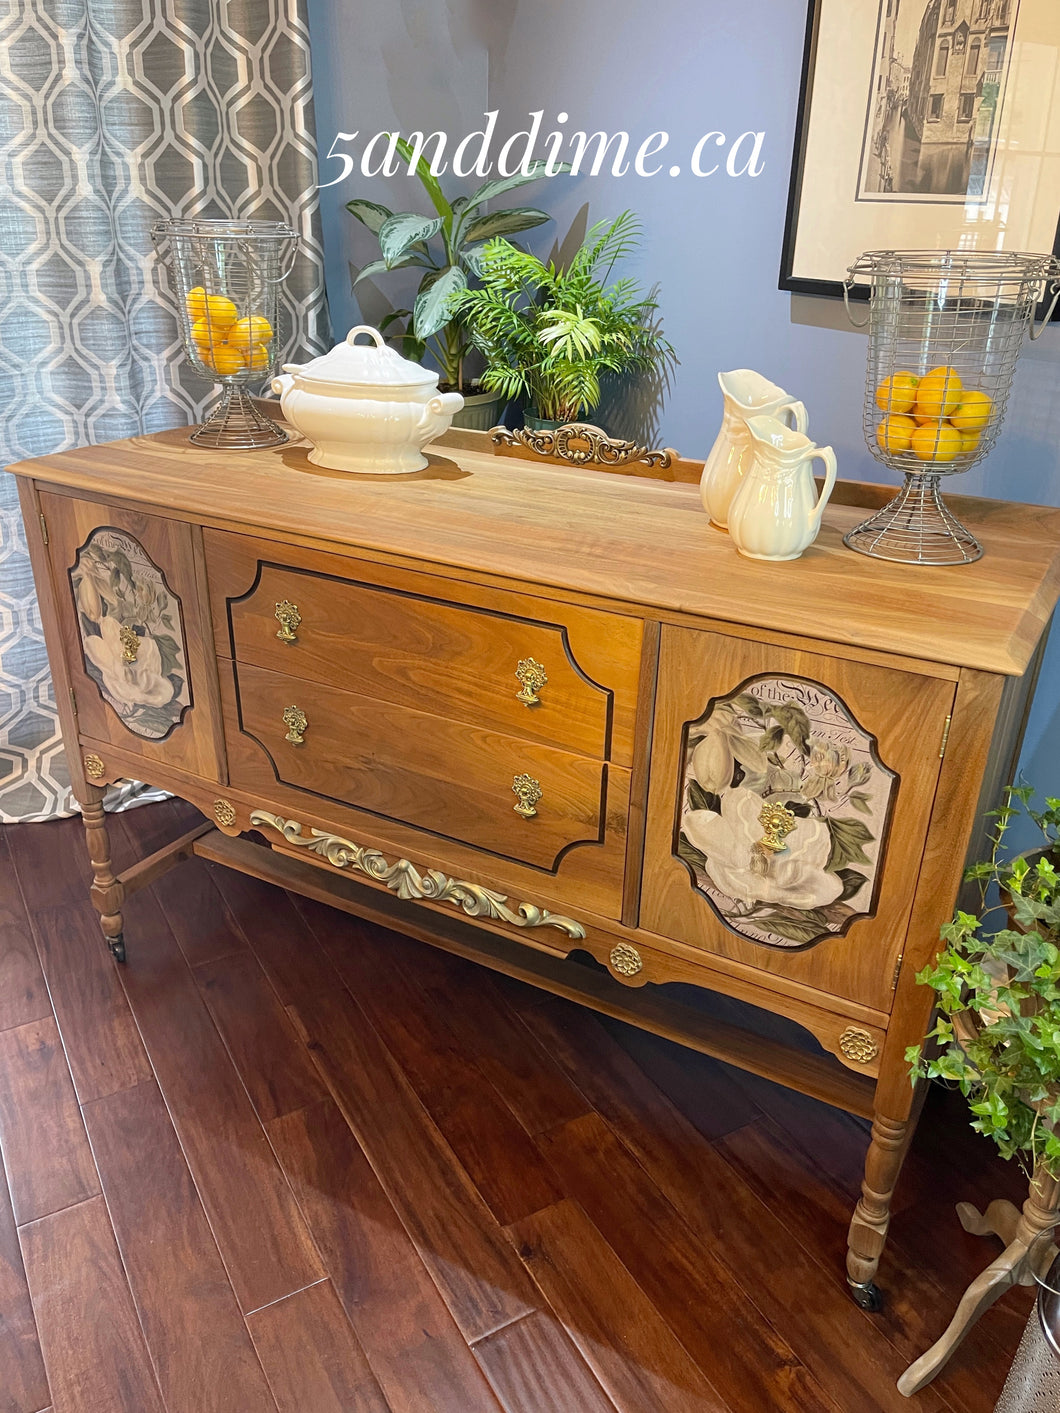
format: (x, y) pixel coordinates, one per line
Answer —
(115, 114)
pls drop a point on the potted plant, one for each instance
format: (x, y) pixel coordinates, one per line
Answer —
(446, 247)
(550, 334)
(998, 987)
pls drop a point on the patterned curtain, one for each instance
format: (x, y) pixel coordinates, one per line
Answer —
(113, 114)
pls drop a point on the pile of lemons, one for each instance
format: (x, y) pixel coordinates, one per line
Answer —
(226, 343)
(935, 417)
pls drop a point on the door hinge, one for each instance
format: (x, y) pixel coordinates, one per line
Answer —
(44, 527)
(897, 970)
(945, 735)
(73, 702)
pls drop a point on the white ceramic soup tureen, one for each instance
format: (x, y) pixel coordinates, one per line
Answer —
(364, 407)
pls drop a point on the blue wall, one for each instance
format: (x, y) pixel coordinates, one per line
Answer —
(713, 244)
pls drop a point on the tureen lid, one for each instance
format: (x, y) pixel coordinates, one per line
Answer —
(374, 363)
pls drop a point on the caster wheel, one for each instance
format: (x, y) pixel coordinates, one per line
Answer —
(867, 1296)
(117, 947)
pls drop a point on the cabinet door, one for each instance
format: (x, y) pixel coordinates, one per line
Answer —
(132, 625)
(788, 808)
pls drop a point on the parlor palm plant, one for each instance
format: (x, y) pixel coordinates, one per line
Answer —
(550, 334)
(447, 247)
(998, 987)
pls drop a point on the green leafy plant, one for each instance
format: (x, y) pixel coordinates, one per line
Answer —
(447, 247)
(998, 987)
(550, 334)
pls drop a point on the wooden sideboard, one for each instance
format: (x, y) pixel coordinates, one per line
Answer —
(523, 709)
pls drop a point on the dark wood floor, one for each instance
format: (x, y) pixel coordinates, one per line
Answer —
(284, 1160)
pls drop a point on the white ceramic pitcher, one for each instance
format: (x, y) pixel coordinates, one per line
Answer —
(776, 511)
(745, 394)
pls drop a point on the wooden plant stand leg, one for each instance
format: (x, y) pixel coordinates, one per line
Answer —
(107, 892)
(872, 1215)
(1027, 1253)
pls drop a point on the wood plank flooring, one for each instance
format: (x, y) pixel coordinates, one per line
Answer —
(287, 1162)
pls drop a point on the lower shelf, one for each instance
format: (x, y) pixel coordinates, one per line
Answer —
(818, 1076)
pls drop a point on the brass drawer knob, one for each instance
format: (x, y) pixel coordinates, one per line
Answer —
(289, 618)
(778, 822)
(529, 791)
(294, 718)
(130, 643)
(533, 677)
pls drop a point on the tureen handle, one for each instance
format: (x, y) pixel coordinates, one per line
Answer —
(351, 337)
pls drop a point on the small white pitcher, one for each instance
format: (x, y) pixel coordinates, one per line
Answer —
(776, 511)
(745, 394)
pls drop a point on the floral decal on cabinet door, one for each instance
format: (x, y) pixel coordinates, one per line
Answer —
(784, 811)
(131, 632)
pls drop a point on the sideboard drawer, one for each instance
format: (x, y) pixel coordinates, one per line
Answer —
(448, 777)
(407, 646)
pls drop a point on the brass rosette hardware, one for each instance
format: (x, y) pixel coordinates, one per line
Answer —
(533, 677)
(778, 822)
(94, 767)
(858, 1045)
(130, 643)
(529, 791)
(296, 721)
(289, 619)
(626, 960)
(224, 812)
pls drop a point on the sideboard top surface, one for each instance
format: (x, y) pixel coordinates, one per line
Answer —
(629, 539)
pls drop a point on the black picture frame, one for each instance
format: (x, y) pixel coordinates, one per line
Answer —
(789, 281)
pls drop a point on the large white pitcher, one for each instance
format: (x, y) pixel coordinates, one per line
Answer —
(745, 394)
(776, 511)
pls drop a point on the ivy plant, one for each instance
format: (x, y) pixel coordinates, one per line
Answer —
(1000, 971)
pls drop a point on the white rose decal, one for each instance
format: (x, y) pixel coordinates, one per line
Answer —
(795, 876)
(134, 684)
(118, 590)
(784, 811)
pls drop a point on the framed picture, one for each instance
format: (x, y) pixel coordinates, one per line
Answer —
(923, 125)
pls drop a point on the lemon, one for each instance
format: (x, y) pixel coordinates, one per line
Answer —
(244, 333)
(224, 360)
(974, 411)
(195, 302)
(969, 442)
(258, 358)
(895, 433)
(220, 311)
(936, 441)
(939, 393)
(896, 393)
(204, 335)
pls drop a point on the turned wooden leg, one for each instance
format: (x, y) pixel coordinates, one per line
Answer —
(107, 893)
(1028, 1253)
(872, 1215)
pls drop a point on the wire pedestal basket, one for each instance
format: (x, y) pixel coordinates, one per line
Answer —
(227, 276)
(945, 331)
